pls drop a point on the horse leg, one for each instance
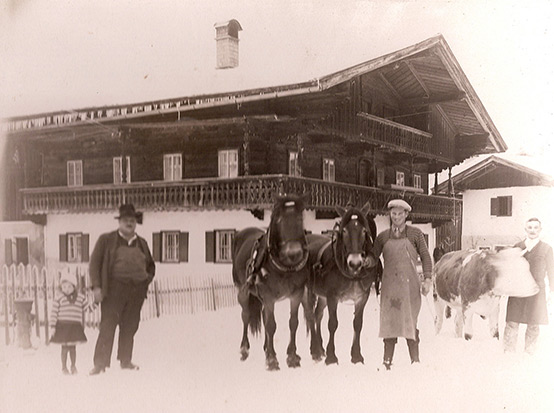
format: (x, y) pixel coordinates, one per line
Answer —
(332, 325)
(468, 323)
(245, 315)
(270, 327)
(293, 359)
(356, 352)
(316, 346)
(493, 317)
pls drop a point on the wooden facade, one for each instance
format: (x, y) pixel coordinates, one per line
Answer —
(406, 115)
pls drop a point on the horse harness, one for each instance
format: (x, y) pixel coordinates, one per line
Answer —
(318, 265)
(260, 251)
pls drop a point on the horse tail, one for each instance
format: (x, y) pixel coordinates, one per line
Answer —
(309, 303)
(255, 311)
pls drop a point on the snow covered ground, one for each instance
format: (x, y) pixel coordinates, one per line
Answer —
(190, 363)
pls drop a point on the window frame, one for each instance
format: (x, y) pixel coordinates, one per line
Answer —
(293, 165)
(118, 171)
(218, 245)
(224, 170)
(417, 181)
(400, 178)
(74, 247)
(173, 171)
(71, 170)
(174, 250)
(380, 177)
(328, 169)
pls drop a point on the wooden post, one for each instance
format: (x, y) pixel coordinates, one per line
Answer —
(46, 319)
(214, 306)
(34, 276)
(5, 293)
(156, 298)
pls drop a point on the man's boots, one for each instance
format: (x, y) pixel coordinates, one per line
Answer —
(413, 348)
(389, 352)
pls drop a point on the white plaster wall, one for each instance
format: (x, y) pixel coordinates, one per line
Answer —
(196, 223)
(479, 228)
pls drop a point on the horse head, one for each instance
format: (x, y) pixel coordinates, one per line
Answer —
(355, 238)
(287, 238)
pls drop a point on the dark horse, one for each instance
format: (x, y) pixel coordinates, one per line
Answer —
(343, 268)
(268, 267)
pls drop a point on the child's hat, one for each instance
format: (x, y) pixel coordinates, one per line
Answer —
(69, 278)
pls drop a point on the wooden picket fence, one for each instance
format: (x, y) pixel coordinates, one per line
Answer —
(174, 294)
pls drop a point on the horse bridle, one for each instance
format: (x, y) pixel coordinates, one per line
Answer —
(276, 262)
(337, 229)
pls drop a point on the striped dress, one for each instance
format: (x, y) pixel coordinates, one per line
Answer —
(67, 319)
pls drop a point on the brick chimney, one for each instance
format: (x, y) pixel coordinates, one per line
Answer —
(227, 43)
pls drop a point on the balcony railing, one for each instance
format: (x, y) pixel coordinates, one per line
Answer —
(247, 192)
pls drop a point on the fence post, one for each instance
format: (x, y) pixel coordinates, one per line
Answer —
(5, 293)
(46, 319)
(34, 277)
(156, 298)
(213, 294)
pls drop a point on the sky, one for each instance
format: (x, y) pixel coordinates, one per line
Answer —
(61, 55)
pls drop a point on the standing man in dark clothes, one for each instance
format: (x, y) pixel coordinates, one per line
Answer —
(401, 287)
(531, 310)
(121, 268)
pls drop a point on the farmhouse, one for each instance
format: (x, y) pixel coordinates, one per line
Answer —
(201, 167)
(499, 194)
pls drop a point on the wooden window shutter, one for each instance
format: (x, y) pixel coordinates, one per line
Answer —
(509, 206)
(494, 206)
(85, 241)
(157, 246)
(210, 246)
(63, 247)
(183, 247)
(8, 251)
(22, 250)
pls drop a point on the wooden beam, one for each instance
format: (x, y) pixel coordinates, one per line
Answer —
(434, 99)
(418, 78)
(390, 87)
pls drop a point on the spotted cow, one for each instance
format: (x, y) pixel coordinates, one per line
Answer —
(473, 282)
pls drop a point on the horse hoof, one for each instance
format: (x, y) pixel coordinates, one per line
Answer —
(468, 336)
(317, 357)
(272, 364)
(331, 360)
(496, 335)
(243, 354)
(357, 359)
(293, 360)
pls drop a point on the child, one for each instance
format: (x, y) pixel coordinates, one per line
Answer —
(66, 320)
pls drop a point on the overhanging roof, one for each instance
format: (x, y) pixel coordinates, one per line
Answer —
(426, 73)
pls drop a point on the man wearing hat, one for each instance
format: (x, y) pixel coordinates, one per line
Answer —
(401, 287)
(121, 268)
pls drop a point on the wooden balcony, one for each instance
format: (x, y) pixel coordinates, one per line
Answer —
(246, 192)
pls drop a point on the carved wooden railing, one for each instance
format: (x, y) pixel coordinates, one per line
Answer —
(247, 192)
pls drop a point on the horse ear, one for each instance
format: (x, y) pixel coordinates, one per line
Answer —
(340, 210)
(366, 208)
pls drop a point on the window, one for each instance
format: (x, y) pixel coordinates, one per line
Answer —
(501, 206)
(294, 167)
(173, 167)
(75, 173)
(219, 245)
(400, 178)
(228, 163)
(328, 170)
(170, 246)
(16, 250)
(417, 181)
(74, 247)
(380, 177)
(118, 170)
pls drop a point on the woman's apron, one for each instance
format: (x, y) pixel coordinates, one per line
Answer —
(400, 290)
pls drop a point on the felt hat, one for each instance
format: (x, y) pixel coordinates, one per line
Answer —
(128, 210)
(399, 203)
